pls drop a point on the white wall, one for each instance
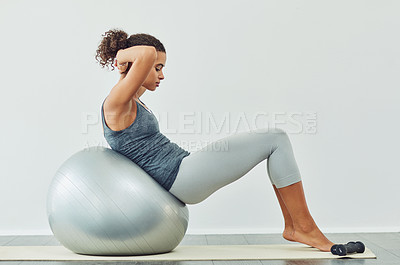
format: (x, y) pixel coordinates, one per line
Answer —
(337, 59)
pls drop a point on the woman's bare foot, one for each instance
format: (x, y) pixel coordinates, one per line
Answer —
(312, 237)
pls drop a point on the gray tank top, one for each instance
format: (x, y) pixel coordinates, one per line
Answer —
(143, 143)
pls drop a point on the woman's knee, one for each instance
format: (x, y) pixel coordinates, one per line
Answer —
(276, 135)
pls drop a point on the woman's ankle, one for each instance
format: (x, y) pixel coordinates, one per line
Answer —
(289, 226)
(305, 226)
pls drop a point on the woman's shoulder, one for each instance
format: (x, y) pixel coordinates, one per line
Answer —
(119, 118)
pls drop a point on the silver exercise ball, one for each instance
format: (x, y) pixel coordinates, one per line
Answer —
(101, 203)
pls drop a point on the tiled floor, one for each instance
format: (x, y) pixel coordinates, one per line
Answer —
(386, 247)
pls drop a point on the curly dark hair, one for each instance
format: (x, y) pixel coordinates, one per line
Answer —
(116, 39)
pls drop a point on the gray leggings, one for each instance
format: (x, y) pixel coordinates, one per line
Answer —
(205, 171)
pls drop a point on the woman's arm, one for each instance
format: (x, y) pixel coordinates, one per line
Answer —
(141, 60)
(130, 54)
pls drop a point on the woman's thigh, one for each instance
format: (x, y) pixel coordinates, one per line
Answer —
(222, 162)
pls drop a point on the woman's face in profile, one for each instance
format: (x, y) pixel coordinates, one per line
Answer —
(156, 73)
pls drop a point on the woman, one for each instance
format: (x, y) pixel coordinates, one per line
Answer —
(131, 129)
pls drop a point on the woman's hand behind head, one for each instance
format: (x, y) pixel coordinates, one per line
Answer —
(122, 68)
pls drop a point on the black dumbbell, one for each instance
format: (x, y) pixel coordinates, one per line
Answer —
(351, 247)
